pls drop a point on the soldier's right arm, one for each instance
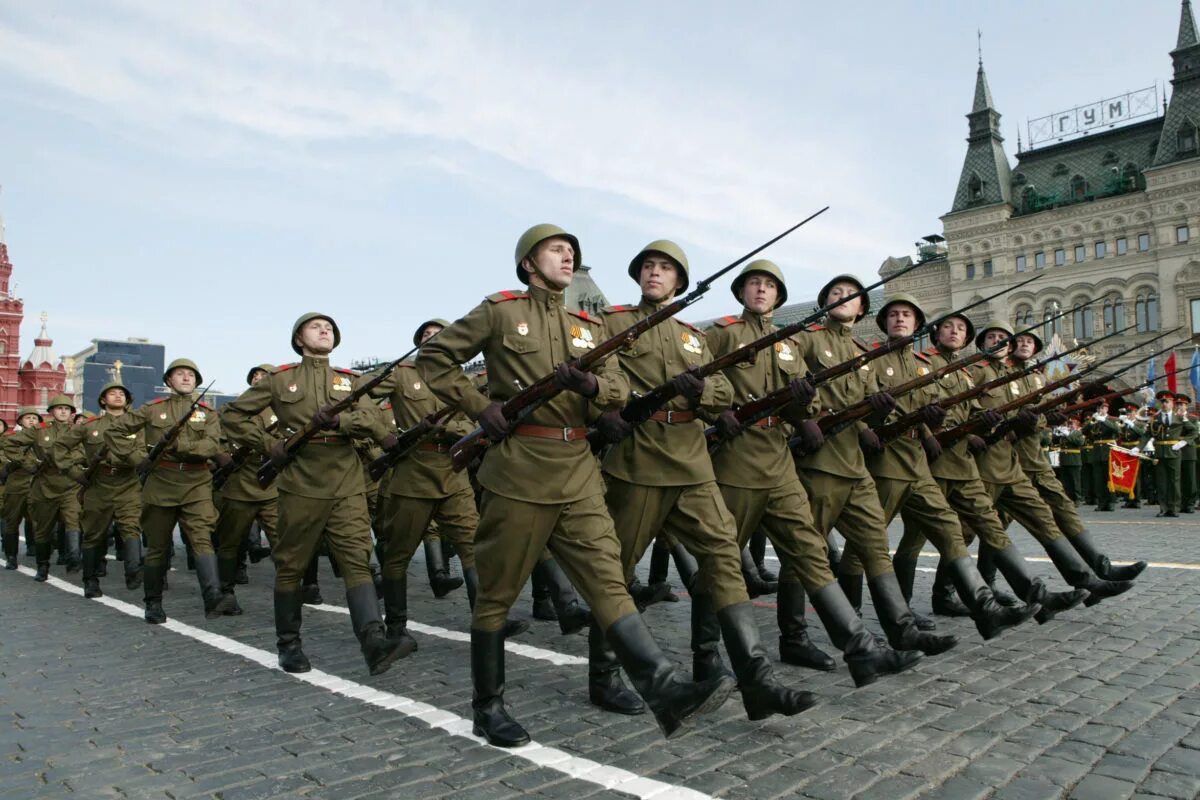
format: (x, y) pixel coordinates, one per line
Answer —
(239, 418)
(66, 450)
(126, 447)
(440, 359)
(13, 448)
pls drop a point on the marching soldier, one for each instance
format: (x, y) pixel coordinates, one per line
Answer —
(660, 479)
(321, 488)
(20, 467)
(759, 484)
(1189, 434)
(541, 485)
(177, 489)
(53, 500)
(113, 494)
(1166, 429)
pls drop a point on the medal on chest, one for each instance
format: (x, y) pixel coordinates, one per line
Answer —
(198, 416)
(341, 383)
(417, 386)
(95, 433)
(581, 338)
(783, 351)
(162, 415)
(1016, 390)
(292, 388)
(523, 328)
(274, 419)
(922, 371)
(890, 372)
(691, 343)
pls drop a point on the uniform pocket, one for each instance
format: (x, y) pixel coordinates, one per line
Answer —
(521, 344)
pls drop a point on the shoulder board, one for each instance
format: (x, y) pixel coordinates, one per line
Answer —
(930, 351)
(863, 345)
(386, 406)
(44, 425)
(204, 405)
(285, 367)
(407, 365)
(90, 420)
(157, 401)
(583, 315)
(619, 309)
(921, 357)
(689, 326)
(725, 322)
(500, 297)
(812, 328)
(1008, 362)
(345, 371)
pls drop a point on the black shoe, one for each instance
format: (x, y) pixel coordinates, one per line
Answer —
(543, 609)
(155, 582)
(217, 603)
(440, 580)
(378, 650)
(288, 607)
(1079, 574)
(1098, 561)
(10, 562)
(258, 553)
(991, 618)
(795, 647)
(489, 717)
(762, 695)
(605, 687)
(395, 610)
(945, 600)
(91, 588)
(646, 595)
(312, 594)
(240, 576)
(770, 576)
(514, 627)
(1054, 603)
(755, 585)
(867, 661)
(154, 612)
(42, 554)
(897, 619)
(91, 579)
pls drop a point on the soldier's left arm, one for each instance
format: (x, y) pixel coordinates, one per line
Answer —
(203, 441)
(126, 447)
(611, 381)
(239, 418)
(67, 451)
(718, 391)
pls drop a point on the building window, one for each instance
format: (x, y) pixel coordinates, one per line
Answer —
(1185, 141)
(1050, 326)
(1020, 263)
(970, 272)
(1101, 249)
(1078, 188)
(1083, 322)
(1122, 246)
(1039, 260)
(1129, 177)
(1114, 314)
(1196, 316)
(1143, 242)
(974, 188)
(987, 268)
(1182, 234)
(1080, 253)
(1060, 257)
(1146, 313)
(1024, 318)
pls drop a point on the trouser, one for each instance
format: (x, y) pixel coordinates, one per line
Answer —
(407, 521)
(1086, 484)
(195, 519)
(236, 517)
(49, 513)
(1167, 481)
(1187, 483)
(342, 523)
(1104, 497)
(852, 504)
(978, 518)
(16, 511)
(1068, 476)
(103, 504)
(695, 517)
(1021, 501)
(1061, 506)
(509, 542)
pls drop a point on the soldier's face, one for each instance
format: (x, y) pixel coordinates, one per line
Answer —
(62, 413)
(952, 334)
(901, 320)
(994, 337)
(847, 311)
(1024, 347)
(182, 380)
(659, 278)
(257, 376)
(760, 293)
(552, 264)
(316, 337)
(429, 331)
(1166, 404)
(27, 420)
(114, 399)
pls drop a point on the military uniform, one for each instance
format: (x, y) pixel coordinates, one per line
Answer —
(1101, 433)
(1188, 488)
(1166, 428)
(20, 465)
(1070, 463)
(241, 503)
(1130, 435)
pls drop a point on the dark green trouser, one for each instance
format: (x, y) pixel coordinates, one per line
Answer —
(236, 517)
(405, 521)
(1187, 483)
(1167, 480)
(343, 523)
(103, 503)
(1104, 498)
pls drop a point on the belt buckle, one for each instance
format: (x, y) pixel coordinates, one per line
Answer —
(566, 434)
(670, 417)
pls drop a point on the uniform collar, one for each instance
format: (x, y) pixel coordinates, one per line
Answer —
(315, 361)
(841, 328)
(650, 306)
(761, 322)
(546, 297)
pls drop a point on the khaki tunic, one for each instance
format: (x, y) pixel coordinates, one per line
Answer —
(53, 494)
(22, 465)
(241, 501)
(114, 493)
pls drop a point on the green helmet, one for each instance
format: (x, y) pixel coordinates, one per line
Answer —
(764, 267)
(535, 236)
(115, 385)
(863, 310)
(964, 318)
(994, 325)
(61, 400)
(899, 297)
(267, 368)
(182, 362)
(24, 410)
(441, 323)
(1038, 346)
(669, 249)
(307, 318)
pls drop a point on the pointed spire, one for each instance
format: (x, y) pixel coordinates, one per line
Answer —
(1187, 27)
(983, 95)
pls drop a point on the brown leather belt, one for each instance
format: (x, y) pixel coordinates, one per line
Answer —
(329, 440)
(434, 447)
(913, 433)
(1167, 441)
(181, 466)
(545, 432)
(769, 422)
(110, 471)
(672, 417)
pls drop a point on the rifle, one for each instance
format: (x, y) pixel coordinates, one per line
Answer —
(93, 467)
(644, 406)
(408, 442)
(238, 459)
(750, 413)
(1054, 401)
(168, 439)
(295, 443)
(525, 402)
(1084, 405)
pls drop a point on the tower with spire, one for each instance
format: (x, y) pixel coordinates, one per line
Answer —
(12, 311)
(43, 374)
(985, 179)
(1180, 137)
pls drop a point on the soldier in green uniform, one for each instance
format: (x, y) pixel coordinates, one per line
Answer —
(660, 479)
(321, 489)
(541, 484)
(760, 487)
(1166, 429)
(1069, 440)
(178, 489)
(114, 494)
(1101, 432)
(1130, 434)
(19, 466)
(1190, 435)
(840, 489)
(1086, 489)
(53, 498)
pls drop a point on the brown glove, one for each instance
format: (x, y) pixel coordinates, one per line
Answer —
(573, 379)
(493, 422)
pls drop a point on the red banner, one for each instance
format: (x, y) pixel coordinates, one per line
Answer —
(1169, 367)
(1122, 472)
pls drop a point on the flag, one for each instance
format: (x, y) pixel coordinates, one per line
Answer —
(1169, 371)
(1150, 380)
(1195, 374)
(1122, 471)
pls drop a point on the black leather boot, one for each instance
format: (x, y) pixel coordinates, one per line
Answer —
(795, 647)
(216, 602)
(572, 614)
(152, 589)
(543, 606)
(991, 618)
(255, 549)
(227, 569)
(660, 560)
(762, 695)
(1077, 573)
(42, 553)
(11, 546)
(672, 701)
(852, 586)
(706, 640)
(131, 551)
(1099, 562)
(91, 581)
(310, 588)
(758, 551)
(945, 598)
(395, 609)
(73, 553)
(440, 579)
(755, 585)
(288, 607)
(986, 565)
(1016, 572)
(685, 564)
(512, 627)
(490, 719)
(605, 687)
(906, 576)
(645, 595)
(61, 546)
(866, 659)
(378, 650)
(896, 618)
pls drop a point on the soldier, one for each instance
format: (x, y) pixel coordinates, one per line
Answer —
(53, 501)
(178, 489)
(759, 484)
(840, 488)
(241, 502)
(1101, 433)
(114, 493)
(906, 486)
(321, 489)
(1130, 434)
(19, 467)
(660, 478)
(541, 485)
(1069, 439)
(1190, 434)
(1166, 429)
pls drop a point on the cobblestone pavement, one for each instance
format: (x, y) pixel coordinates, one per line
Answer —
(1099, 703)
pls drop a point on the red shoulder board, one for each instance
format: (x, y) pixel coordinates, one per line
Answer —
(619, 309)
(44, 425)
(874, 345)
(500, 297)
(726, 321)
(861, 344)
(157, 401)
(929, 351)
(386, 406)
(921, 357)
(688, 325)
(812, 328)
(345, 371)
(583, 315)
(286, 367)
(204, 405)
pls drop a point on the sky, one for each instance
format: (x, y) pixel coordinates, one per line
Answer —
(200, 174)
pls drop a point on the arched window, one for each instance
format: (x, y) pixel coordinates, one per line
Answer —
(1078, 188)
(974, 188)
(1185, 140)
(1114, 314)
(1152, 312)
(3, 347)
(1130, 176)
(1083, 322)
(1146, 313)
(1050, 327)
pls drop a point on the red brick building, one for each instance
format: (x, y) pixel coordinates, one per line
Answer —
(40, 376)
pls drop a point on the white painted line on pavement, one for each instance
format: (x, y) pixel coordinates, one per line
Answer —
(603, 775)
(1045, 560)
